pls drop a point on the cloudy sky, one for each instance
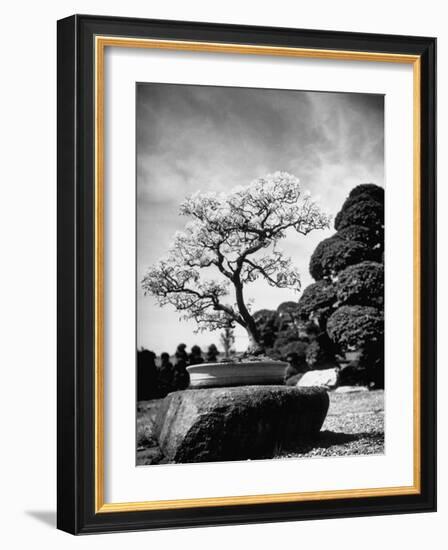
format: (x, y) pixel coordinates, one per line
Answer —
(192, 138)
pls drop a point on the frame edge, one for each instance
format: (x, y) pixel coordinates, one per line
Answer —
(67, 457)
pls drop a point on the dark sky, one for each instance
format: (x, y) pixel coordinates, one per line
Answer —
(192, 138)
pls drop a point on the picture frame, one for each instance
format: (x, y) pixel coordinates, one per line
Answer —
(82, 42)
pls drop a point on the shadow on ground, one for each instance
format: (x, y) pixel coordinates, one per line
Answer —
(48, 517)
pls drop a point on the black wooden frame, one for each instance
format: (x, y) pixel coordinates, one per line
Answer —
(75, 476)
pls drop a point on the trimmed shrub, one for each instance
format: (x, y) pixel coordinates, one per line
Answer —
(372, 360)
(195, 357)
(359, 234)
(283, 349)
(320, 353)
(317, 301)
(361, 210)
(266, 321)
(212, 354)
(287, 315)
(332, 255)
(374, 191)
(361, 284)
(354, 327)
(181, 353)
(288, 309)
(147, 384)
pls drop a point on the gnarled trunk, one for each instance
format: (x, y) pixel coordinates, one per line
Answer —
(255, 346)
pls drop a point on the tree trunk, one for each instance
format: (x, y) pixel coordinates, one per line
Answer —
(255, 347)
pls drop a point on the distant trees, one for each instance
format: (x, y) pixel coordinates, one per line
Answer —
(195, 357)
(158, 377)
(228, 339)
(212, 354)
(146, 375)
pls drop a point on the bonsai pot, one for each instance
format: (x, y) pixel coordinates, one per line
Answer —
(238, 373)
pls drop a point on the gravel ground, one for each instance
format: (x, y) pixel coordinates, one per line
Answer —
(354, 426)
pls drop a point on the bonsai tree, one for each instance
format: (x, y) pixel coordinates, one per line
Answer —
(236, 236)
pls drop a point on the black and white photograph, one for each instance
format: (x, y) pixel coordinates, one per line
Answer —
(260, 274)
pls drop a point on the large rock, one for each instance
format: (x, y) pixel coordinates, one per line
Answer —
(327, 378)
(238, 423)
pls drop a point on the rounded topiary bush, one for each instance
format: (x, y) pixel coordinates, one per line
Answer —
(283, 348)
(212, 354)
(317, 299)
(374, 191)
(320, 353)
(287, 315)
(354, 327)
(361, 210)
(359, 234)
(361, 284)
(266, 322)
(332, 255)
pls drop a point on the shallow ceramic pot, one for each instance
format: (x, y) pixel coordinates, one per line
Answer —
(244, 373)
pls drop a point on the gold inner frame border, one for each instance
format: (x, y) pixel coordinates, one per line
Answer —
(100, 44)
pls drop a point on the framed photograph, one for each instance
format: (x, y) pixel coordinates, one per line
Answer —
(246, 274)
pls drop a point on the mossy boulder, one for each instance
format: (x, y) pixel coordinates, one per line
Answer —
(246, 422)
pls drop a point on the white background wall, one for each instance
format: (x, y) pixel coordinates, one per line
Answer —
(28, 271)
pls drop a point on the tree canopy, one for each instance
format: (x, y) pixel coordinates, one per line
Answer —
(236, 236)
